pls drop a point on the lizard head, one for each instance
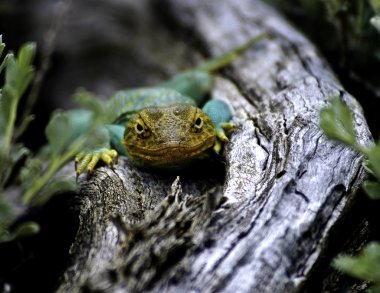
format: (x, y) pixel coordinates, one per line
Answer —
(168, 136)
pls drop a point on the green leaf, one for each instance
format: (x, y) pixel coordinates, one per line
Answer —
(372, 189)
(26, 55)
(26, 229)
(90, 101)
(66, 126)
(367, 167)
(18, 151)
(58, 132)
(18, 75)
(337, 122)
(24, 68)
(102, 113)
(30, 171)
(8, 98)
(19, 72)
(365, 266)
(4, 63)
(374, 160)
(22, 230)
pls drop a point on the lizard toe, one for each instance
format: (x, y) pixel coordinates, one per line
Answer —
(88, 160)
(222, 136)
(217, 147)
(82, 162)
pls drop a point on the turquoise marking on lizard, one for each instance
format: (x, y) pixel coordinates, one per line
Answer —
(162, 127)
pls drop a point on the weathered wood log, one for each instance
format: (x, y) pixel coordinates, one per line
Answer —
(263, 227)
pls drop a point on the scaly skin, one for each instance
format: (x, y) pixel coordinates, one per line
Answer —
(161, 127)
(168, 137)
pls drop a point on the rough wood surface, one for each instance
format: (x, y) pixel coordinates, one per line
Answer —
(261, 228)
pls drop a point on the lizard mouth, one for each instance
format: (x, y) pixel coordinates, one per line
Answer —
(169, 153)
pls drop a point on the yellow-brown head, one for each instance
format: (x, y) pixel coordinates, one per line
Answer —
(167, 137)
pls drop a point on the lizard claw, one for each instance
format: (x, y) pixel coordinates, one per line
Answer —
(88, 160)
(217, 147)
(221, 136)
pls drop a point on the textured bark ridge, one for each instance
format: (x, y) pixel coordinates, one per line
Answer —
(264, 226)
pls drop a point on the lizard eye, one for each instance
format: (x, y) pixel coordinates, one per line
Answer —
(198, 124)
(140, 128)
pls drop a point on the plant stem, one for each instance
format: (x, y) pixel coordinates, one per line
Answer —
(56, 163)
(6, 144)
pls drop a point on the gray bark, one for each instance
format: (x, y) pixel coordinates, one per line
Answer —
(264, 226)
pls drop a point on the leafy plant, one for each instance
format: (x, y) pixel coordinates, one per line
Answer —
(17, 77)
(337, 123)
(365, 266)
(35, 176)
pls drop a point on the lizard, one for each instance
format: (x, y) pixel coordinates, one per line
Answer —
(164, 126)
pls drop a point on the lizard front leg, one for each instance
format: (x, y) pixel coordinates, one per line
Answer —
(220, 114)
(100, 149)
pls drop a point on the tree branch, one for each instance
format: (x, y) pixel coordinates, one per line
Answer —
(265, 225)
